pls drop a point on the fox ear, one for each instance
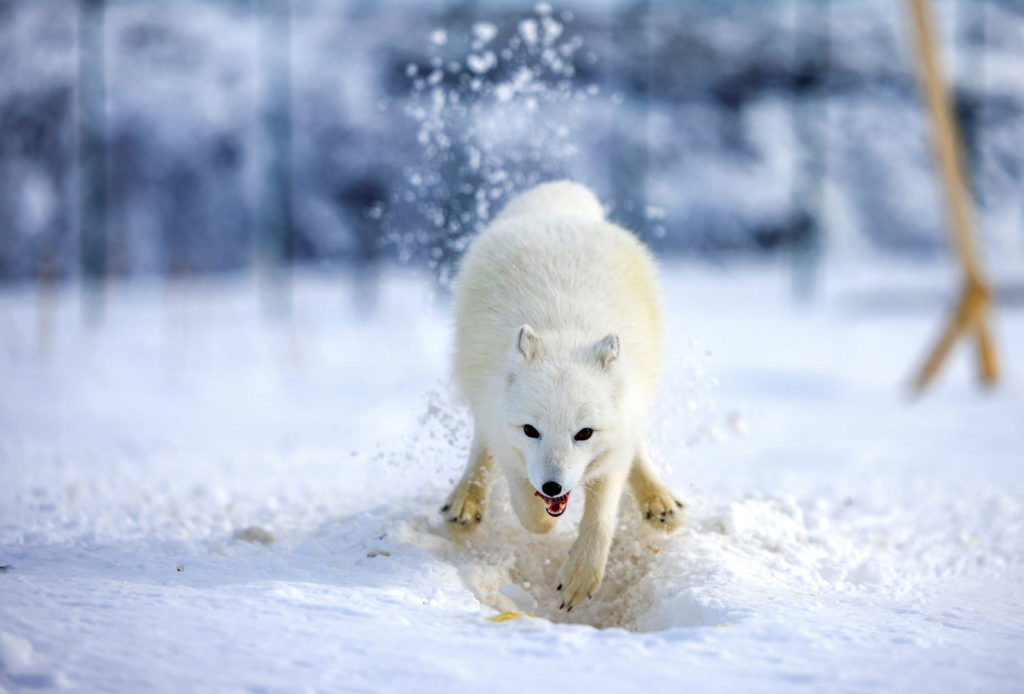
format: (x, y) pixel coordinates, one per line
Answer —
(527, 343)
(607, 350)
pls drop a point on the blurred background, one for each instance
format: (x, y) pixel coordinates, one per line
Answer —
(186, 139)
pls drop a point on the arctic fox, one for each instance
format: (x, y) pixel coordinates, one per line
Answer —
(557, 350)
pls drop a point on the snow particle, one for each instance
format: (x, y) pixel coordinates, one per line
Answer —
(439, 37)
(552, 30)
(481, 63)
(504, 92)
(484, 32)
(737, 422)
(654, 212)
(528, 30)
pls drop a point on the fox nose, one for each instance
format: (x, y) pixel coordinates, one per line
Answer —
(551, 489)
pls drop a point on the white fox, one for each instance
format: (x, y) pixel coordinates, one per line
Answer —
(558, 348)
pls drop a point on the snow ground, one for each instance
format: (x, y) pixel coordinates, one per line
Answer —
(841, 537)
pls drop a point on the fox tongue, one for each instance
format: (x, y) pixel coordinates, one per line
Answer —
(555, 505)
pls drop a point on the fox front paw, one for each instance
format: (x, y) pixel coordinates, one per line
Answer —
(579, 578)
(464, 509)
(662, 510)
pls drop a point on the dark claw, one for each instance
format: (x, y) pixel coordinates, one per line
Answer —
(452, 519)
(559, 586)
(562, 605)
(662, 520)
(649, 515)
(444, 508)
(679, 504)
(479, 518)
(570, 609)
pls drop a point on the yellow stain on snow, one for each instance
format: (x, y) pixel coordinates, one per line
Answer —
(508, 616)
(724, 624)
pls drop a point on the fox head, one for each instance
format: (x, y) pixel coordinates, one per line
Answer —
(562, 407)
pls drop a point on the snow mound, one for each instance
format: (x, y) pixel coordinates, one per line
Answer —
(715, 571)
(20, 665)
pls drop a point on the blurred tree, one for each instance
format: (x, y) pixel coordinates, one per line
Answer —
(275, 196)
(361, 206)
(92, 157)
(810, 112)
(628, 145)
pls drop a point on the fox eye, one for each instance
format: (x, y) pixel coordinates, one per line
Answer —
(530, 431)
(583, 434)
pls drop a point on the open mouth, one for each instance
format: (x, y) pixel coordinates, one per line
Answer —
(555, 506)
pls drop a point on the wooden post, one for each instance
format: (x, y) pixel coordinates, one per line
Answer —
(970, 315)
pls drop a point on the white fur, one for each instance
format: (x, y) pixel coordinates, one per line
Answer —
(558, 326)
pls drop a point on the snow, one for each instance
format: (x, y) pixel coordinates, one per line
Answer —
(528, 30)
(439, 37)
(484, 32)
(481, 63)
(193, 498)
